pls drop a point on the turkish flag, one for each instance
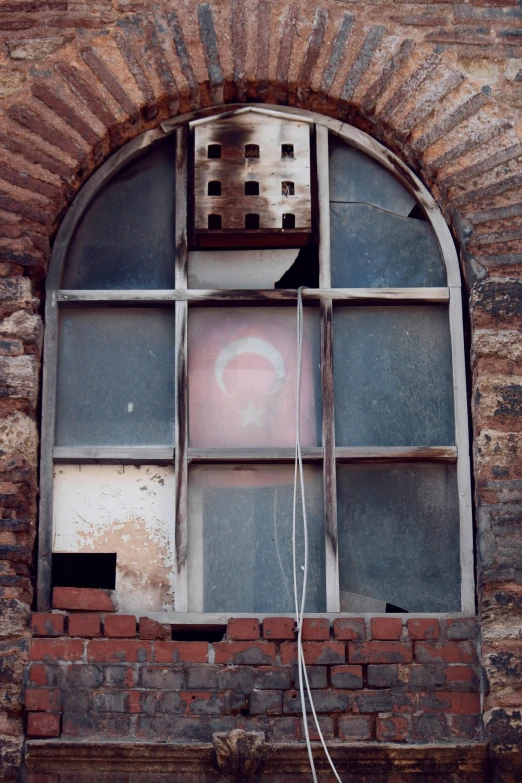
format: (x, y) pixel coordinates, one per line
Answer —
(242, 372)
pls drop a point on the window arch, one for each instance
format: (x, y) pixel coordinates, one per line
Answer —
(170, 378)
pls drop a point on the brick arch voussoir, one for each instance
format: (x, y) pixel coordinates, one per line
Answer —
(99, 92)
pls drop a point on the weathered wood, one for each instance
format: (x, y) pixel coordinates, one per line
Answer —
(435, 295)
(323, 187)
(181, 262)
(395, 453)
(253, 455)
(131, 454)
(329, 470)
(45, 522)
(181, 463)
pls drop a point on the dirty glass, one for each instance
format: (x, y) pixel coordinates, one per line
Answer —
(399, 536)
(373, 248)
(393, 376)
(115, 377)
(240, 539)
(355, 177)
(239, 268)
(126, 238)
(242, 377)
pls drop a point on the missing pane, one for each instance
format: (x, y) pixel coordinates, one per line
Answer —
(214, 188)
(214, 150)
(417, 213)
(214, 222)
(287, 150)
(84, 570)
(251, 188)
(251, 221)
(251, 150)
(288, 220)
(287, 188)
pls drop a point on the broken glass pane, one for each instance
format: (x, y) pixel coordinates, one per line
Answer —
(126, 238)
(242, 377)
(355, 177)
(373, 248)
(393, 376)
(240, 539)
(222, 269)
(115, 377)
(399, 536)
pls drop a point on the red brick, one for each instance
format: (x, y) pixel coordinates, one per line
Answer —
(451, 703)
(56, 649)
(43, 724)
(460, 628)
(120, 626)
(386, 628)
(355, 727)
(394, 729)
(459, 674)
(243, 628)
(150, 629)
(135, 701)
(350, 629)
(42, 700)
(423, 629)
(175, 652)
(452, 652)
(113, 651)
(278, 628)
(38, 674)
(379, 652)
(87, 625)
(47, 624)
(249, 653)
(82, 599)
(317, 653)
(347, 676)
(316, 629)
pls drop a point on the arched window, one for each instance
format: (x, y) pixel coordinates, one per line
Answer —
(170, 377)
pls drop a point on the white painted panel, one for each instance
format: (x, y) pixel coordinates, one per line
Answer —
(124, 509)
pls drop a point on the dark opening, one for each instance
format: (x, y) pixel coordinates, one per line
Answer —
(288, 220)
(251, 150)
(417, 213)
(287, 150)
(214, 150)
(304, 270)
(251, 188)
(214, 188)
(251, 221)
(84, 570)
(199, 633)
(287, 188)
(214, 222)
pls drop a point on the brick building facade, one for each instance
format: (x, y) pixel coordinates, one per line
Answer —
(436, 83)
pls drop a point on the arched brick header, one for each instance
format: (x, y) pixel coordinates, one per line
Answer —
(435, 84)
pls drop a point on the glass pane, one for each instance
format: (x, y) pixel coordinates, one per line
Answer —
(393, 376)
(372, 248)
(127, 510)
(126, 238)
(115, 377)
(399, 536)
(240, 539)
(242, 377)
(356, 177)
(239, 268)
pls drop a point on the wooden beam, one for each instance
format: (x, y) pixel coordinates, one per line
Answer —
(253, 455)
(395, 453)
(129, 454)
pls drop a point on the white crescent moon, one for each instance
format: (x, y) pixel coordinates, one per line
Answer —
(249, 345)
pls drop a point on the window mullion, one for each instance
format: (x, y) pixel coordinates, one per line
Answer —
(329, 470)
(181, 401)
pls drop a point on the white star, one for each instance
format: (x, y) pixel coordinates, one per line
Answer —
(251, 415)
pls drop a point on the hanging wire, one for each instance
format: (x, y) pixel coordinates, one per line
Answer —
(299, 611)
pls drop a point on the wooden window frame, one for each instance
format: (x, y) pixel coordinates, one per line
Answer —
(181, 296)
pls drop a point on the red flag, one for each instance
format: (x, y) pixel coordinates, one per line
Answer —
(242, 366)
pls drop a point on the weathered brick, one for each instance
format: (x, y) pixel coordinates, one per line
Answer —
(249, 653)
(423, 628)
(373, 701)
(161, 677)
(386, 628)
(201, 678)
(379, 652)
(78, 599)
(266, 702)
(118, 676)
(116, 651)
(151, 629)
(243, 629)
(178, 652)
(278, 628)
(47, 624)
(353, 728)
(383, 675)
(317, 676)
(56, 650)
(237, 678)
(326, 724)
(315, 653)
(347, 676)
(84, 676)
(392, 729)
(430, 727)
(43, 725)
(42, 699)
(324, 701)
(349, 629)
(316, 629)
(461, 628)
(120, 626)
(88, 625)
(452, 652)
(451, 702)
(272, 677)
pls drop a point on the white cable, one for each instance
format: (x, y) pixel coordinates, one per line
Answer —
(301, 667)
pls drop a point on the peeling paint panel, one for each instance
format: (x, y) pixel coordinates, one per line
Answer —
(239, 268)
(127, 509)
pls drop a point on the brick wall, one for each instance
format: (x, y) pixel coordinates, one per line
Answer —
(108, 678)
(439, 83)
